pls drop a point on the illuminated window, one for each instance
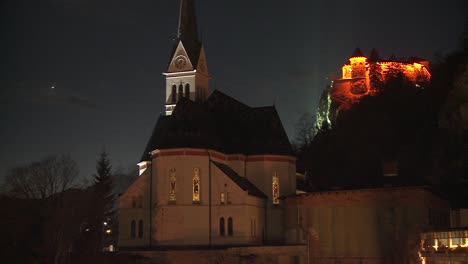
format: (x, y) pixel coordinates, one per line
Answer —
(230, 226)
(196, 185)
(222, 198)
(174, 93)
(181, 91)
(172, 185)
(228, 196)
(275, 189)
(222, 231)
(132, 229)
(187, 90)
(140, 229)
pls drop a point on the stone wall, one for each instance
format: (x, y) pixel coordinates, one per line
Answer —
(293, 254)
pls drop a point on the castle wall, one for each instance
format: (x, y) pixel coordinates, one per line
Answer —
(379, 224)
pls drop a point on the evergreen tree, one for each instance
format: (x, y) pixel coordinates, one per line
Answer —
(94, 236)
(104, 197)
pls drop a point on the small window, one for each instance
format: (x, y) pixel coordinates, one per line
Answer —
(228, 194)
(222, 231)
(174, 94)
(140, 229)
(132, 229)
(230, 226)
(134, 203)
(222, 198)
(187, 90)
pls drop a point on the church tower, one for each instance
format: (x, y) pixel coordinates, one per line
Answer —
(187, 73)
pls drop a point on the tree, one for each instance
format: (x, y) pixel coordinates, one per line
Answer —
(305, 129)
(100, 214)
(44, 211)
(43, 178)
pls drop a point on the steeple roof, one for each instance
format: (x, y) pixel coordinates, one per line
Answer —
(187, 32)
(357, 53)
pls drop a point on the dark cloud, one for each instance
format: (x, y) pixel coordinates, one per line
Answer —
(67, 100)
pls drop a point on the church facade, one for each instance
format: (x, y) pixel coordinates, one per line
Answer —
(214, 168)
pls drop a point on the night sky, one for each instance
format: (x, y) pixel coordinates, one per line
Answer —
(105, 59)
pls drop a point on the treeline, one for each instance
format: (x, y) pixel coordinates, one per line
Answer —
(423, 131)
(50, 214)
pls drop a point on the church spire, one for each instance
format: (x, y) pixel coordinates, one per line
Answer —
(188, 30)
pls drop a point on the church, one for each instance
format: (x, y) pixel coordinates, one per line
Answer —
(214, 168)
(217, 184)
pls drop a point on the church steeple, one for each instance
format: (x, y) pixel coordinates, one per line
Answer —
(188, 29)
(187, 74)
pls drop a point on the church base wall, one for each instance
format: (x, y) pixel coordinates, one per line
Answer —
(291, 254)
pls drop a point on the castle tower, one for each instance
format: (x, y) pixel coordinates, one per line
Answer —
(187, 73)
(358, 64)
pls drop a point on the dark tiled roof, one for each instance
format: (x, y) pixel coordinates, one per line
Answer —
(242, 182)
(357, 53)
(221, 123)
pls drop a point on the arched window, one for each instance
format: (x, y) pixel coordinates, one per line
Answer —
(140, 229)
(172, 185)
(275, 189)
(181, 91)
(174, 94)
(230, 226)
(132, 229)
(222, 231)
(187, 90)
(196, 185)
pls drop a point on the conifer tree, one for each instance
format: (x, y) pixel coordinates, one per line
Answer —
(101, 209)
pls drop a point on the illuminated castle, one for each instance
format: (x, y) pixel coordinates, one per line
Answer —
(363, 76)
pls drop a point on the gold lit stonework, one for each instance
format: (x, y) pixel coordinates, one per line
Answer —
(275, 189)
(196, 185)
(172, 185)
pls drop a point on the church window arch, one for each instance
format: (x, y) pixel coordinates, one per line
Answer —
(222, 230)
(140, 229)
(132, 229)
(187, 90)
(174, 93)
(172, 185)
(196, 185)
(230, 226)
(275, 189)
(181, 91)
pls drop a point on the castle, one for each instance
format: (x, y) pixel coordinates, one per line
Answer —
(362, 76)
